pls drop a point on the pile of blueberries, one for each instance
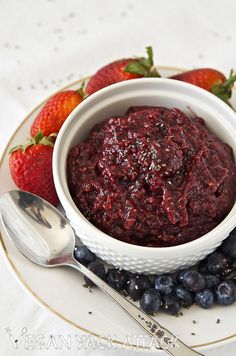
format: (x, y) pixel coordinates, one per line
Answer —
(212, 281)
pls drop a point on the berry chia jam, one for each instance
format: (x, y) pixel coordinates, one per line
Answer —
(153, 177)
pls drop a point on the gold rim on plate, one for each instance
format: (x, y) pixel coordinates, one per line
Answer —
(20, 277)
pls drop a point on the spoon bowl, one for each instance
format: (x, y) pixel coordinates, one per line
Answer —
(39, 231)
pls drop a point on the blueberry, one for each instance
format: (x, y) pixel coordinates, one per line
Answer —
(226, 274)
(230, 260)
(171, 304)
(184, 296)
(204, 298)
(97, 268)
(83, 255)
(225, 292)
(194, 281)
(180, 275)
(137, 285)
(216, 262)
(232, 275)
(211, 280)
(229, 245)
(164, 284)
(150, 301)
(202, 267)
(145, 282)
(117, 279)
(133, 288)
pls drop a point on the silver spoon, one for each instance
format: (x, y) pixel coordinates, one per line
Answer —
(43, 235)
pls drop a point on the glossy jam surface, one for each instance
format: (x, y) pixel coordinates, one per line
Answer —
(153, 177)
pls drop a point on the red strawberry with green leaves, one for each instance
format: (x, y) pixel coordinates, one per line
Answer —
(56, 111)
(211, 80)
(120, 70)
(31, 167)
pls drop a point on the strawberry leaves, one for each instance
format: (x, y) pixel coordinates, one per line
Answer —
(143, 66)
(39, 138)
(224, 90)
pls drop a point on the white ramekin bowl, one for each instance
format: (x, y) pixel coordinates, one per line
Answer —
(115, 100)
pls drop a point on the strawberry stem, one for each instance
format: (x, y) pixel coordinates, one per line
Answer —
(143, 66)
(224, 90)
(81, 91)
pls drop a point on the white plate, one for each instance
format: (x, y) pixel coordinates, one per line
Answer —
(74, 301)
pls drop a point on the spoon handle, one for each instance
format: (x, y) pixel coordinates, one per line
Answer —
(164, 338)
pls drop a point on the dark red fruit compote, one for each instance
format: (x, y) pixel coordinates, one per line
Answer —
(153, 177)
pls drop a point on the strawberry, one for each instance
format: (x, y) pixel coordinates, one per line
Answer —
(31, 167)
(211, 80)
(56, 111)
(123, 69)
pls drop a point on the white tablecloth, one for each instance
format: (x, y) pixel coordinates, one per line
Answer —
(48, 43)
